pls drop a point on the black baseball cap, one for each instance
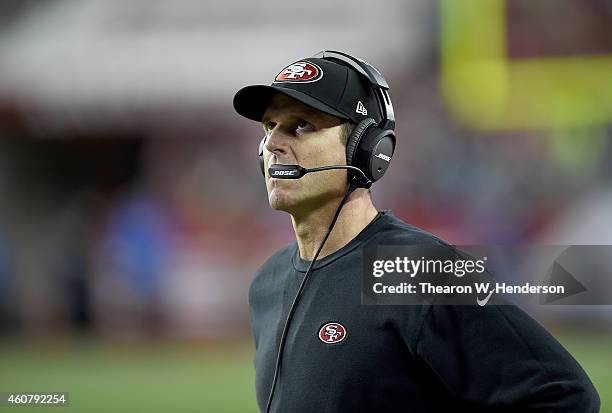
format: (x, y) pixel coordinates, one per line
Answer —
(323, 84)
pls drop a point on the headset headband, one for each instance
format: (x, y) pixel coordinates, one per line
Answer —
(374, 76)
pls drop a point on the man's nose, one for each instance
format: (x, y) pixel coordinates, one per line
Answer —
(277, 142)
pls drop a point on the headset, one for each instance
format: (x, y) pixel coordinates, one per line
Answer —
(370, 145)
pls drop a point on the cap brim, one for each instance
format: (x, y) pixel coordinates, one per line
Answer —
(252, 101)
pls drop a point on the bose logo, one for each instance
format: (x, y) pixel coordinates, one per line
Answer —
(284, 172)
(383, 157)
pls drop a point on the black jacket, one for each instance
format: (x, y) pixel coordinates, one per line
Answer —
(414, 359)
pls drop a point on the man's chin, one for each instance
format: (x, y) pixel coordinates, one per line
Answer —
(294, 201)
(280, 200)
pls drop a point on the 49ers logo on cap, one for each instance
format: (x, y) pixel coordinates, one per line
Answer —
(299, 72)
(332, 333)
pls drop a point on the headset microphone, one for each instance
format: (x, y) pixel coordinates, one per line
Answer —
(297, 171)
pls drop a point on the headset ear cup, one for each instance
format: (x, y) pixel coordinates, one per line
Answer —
(355, 137)
(375, 152)
(261, 158)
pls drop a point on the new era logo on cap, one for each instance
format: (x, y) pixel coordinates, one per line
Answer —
(361, 109)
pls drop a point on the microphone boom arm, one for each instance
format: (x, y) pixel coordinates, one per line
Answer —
(297, 171)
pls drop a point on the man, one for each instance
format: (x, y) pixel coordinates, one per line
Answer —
(318, 349)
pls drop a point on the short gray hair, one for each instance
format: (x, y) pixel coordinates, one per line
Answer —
(346, 130)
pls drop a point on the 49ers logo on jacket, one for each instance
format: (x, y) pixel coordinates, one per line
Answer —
(299, 72)
(332, 333)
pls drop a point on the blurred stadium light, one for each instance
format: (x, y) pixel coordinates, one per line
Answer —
(489, 89)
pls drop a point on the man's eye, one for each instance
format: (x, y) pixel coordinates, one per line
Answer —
(268, 126)
(303, 126)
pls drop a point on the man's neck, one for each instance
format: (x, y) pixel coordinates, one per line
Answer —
(356, 214)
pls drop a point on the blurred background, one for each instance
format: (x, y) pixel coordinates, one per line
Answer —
(126, 257)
